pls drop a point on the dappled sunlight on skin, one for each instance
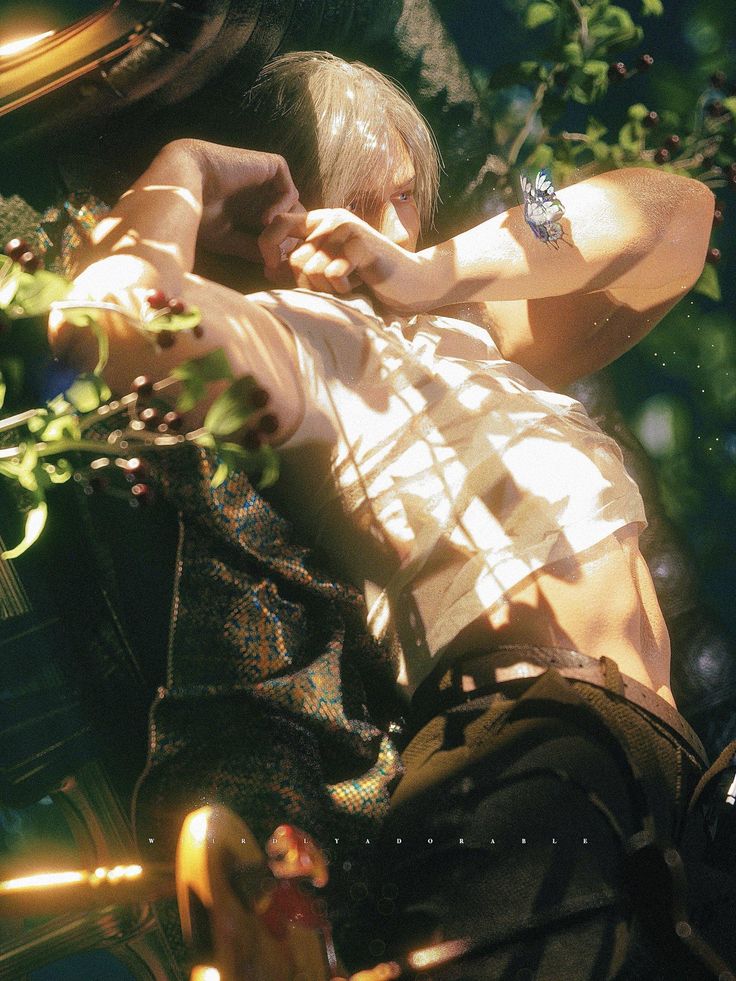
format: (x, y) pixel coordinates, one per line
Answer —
(561, 339)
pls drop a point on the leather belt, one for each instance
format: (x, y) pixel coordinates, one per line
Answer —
(502, 667)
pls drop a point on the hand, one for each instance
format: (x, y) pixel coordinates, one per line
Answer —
(381, 972)
(242, 191)
(341, 250)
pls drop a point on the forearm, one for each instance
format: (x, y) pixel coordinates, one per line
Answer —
(633, 228)
(157, 220)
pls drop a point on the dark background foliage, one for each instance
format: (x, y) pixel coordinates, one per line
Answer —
(678, 387)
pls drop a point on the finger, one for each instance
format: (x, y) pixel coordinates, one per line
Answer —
(381, 972)
(334, 225)
(337, 273)
(309, 270)
(281, 228)
(288, 195)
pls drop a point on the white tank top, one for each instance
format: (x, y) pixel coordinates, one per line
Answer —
(420, 448)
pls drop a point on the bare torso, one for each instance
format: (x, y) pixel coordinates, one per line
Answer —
(601, 602)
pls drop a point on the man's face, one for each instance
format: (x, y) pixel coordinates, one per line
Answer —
(393, 210)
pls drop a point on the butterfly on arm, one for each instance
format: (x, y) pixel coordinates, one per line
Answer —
(542, 208)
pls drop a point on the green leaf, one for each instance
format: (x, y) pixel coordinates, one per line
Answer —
(87, 392)
(630, 137)
(220, 474)
(540, 13)
(652, 7)
(196, 373)
(730, 104)
(232, 409)
(269, 461)
(36, 292)
(10, 273)
(88, 319)
(61, 427)
(572, 53)
(35, 521)
(542, 157)
(708, 284)
(175, 321)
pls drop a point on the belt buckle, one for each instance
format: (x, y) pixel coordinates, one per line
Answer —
(520, 670)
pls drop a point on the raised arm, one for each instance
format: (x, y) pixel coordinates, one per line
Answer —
(635, 242)
(147, 244)
(635, 228)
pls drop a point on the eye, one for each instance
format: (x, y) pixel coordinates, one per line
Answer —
(405, 196)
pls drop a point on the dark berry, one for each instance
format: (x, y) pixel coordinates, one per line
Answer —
(173, 420)
(716, 109)
(562, 78)
(645, 62)
(142, 385)
(252, 440)
(651, 120)
(717, 216)
(142, 493)
(150, 417)
(259, 398)
(29, 262)
(718, 80)
(268, 424)
(15, 248)
(136, 470)
(673, 142)
(177, 306)
(166, 338)
(98, 484)
(198, 331)
(157, 300)
(713, 257)
(616, 70)
(662, 155)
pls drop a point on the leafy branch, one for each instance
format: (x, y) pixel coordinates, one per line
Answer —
(86, 435)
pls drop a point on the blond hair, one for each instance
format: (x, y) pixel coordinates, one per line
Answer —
(344, 129)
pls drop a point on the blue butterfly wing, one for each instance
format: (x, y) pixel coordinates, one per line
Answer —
(542, 208)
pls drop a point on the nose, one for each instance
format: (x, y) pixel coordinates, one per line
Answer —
(395, 229)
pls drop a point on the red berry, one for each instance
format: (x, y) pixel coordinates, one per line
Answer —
(672, 142)
(198, 331)
(15, 248)
(717, 216)
(142, 493)
(157, 300)
(617, 70)
(252, 440)
(177, 306)
(645, 62)
(29, 262)
(150, 417)
(142, 385)
(166, 338)
(268, 424)
(259, 398)
(173, 420)
(662, 155)
(651, 120)
(713, 257)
